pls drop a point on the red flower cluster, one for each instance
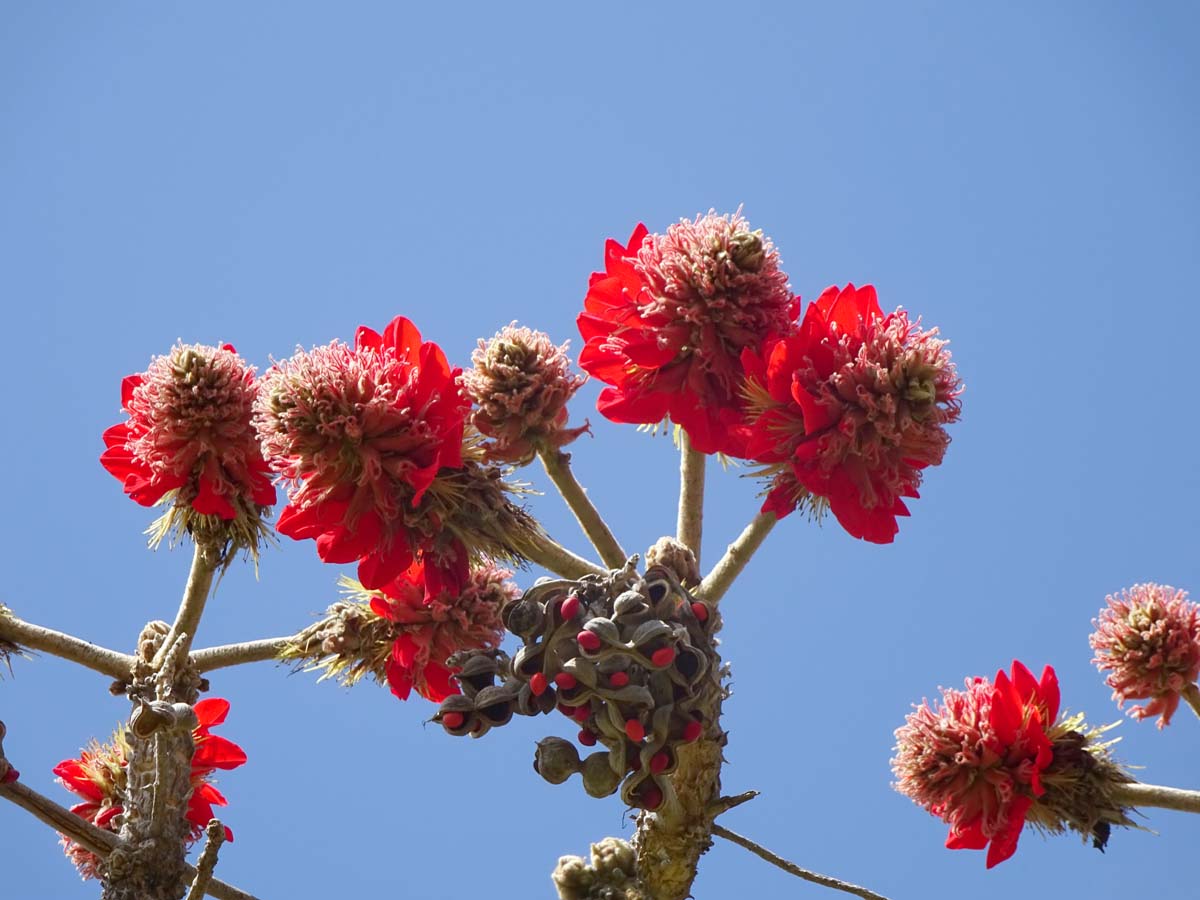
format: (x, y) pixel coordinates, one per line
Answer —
(360, 433)
(850, 408)
(433, 625)
(189, 432)
(977, 758)
(98, 776)
(666, 321)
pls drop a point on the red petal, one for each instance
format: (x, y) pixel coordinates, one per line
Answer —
(216, 752)
(403, 336)
(211, 711)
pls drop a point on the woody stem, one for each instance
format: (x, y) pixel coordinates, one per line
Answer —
(1137, 794)
(554, 557)
(235, 654)
(558, 467)
(195, 594)
(738, 554)
(691, 495)
(1191, 694)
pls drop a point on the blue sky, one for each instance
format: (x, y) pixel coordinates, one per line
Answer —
(1021, 175)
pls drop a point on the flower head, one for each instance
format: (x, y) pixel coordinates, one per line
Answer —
(850, 409)
(360, 435)
(521, 382)
(404, 633)
(1148, 640)
(98, 775)
(976, 759)
(189, 442)
(666, 322)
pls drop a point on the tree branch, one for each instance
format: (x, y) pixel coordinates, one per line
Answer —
(554, 557)
(558, 467)
(214, 838)
(191, 607)
(65, 646)
(95, 840)
(691, 495)
(718, 581)
(235, 654)
(1137, 794)
(792, 869)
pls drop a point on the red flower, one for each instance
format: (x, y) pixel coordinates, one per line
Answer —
(667, 320)
(360, 433)
(189, 435)
(976, 759)
(98, 776)
(433, 624)
(1148, 639)
(850, 408)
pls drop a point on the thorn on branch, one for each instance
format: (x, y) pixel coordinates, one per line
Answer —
(725, 804)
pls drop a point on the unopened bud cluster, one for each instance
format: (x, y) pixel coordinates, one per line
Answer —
(628, 658)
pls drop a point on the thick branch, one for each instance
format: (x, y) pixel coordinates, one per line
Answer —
(558, 467)
(65, 646)
(793, 869)
(91, 838)
(1137, 794)
(718, 581)
(235, 654)
(691, 495)
(554, 557)
(191, 607)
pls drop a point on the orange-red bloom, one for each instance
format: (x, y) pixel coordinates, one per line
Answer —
(360, 433)
(98, 776)
(432, 625)
(850, 408)
(976, 759)
(666, 321)
(189, 432)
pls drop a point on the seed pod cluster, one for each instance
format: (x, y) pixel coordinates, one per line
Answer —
(629, 658)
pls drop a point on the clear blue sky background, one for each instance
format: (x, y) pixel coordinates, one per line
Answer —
(1022, 175)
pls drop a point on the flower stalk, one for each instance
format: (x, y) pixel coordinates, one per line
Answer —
(691, 495)
(205, 561)
(737, 555)
(227, 655)
(558, 467)
(1137, 794)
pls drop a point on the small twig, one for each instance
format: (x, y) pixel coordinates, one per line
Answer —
(718, 581)
(724, 804)
(792, 869)
(214, 838)
(1191, 694)
(1138, 794)
(93, 839)
(691, 495)
(554, 557)
(64, 646)
(191, 607)
(558, 467)
(235, 654)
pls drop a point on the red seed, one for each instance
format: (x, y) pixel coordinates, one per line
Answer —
(570, 607)
(10, 776)
(582, 713)
(652, 797)
(538, 684)
(618, 679)
(636, 762)
(659, 761)
(587, 738)
(700, 610)
(635, 730)
(663, 657)
(565, 680)
(692, 731)
(588, 641)
(453, 720)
